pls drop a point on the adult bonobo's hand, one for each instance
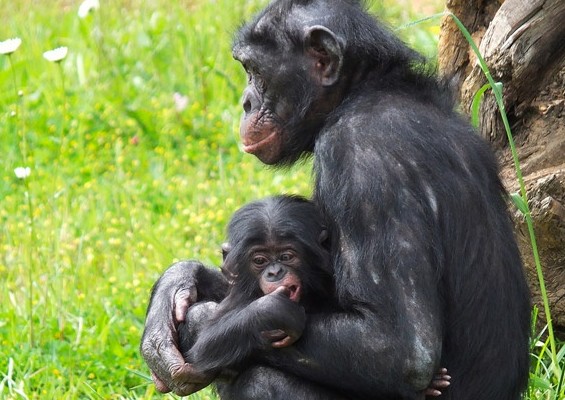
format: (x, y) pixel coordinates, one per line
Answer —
(181, 285)
(277, 311)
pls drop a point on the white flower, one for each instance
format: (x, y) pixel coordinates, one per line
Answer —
(87, 6)
(181, 102)
(22, 172)
(9, 46)
(56, 55)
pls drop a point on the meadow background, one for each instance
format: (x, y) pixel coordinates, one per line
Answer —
(132, 146)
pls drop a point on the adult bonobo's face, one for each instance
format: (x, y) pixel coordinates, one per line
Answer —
(293, 68)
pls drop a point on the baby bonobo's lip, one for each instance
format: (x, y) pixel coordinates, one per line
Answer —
(294, 293)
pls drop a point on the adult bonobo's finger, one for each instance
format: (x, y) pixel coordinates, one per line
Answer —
(160, 352)
(184, 298)
(169, 370)
(432, 392)
(186, 380)
(159, 384)
(439, 381)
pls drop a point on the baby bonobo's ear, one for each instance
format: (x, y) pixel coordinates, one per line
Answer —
(226, 248)
(229, 274)
(323, 238)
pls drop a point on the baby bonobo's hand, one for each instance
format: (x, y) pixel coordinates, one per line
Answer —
(287, 315)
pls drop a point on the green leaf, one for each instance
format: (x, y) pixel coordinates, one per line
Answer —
(477, 103)
(519, 203)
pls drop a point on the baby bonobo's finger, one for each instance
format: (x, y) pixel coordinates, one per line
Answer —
(281, 290)
(287, 341)
(274, 335)
(278, 338)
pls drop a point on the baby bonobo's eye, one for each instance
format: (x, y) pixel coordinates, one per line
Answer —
(259, 260)
(286, 257)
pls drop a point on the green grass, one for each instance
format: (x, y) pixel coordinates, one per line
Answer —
(122, 184)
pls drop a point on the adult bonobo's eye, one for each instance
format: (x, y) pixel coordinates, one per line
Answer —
(259, 261)
(260, 83)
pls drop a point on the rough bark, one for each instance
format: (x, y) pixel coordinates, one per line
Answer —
(523, 43)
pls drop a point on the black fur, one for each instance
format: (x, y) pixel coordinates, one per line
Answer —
(427, 271)
(224, 339)
(416, 208)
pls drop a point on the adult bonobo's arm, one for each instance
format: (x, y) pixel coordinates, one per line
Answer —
(387, 342)
(374, 349)
(180, 286)
(386, 255)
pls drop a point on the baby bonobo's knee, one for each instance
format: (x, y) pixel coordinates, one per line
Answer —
(196, 318)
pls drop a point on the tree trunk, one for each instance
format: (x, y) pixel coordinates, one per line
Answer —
(523, 43)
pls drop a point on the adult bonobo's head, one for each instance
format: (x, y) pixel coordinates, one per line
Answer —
(302, 58)
(278, 242)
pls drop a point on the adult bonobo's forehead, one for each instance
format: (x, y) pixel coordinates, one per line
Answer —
(284, 22)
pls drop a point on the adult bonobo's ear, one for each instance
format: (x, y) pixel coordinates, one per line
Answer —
(326, 49)
(226, 248)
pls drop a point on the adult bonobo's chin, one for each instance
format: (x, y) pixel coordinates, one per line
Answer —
(426, 270)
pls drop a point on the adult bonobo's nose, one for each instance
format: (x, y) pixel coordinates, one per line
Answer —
(251, 101)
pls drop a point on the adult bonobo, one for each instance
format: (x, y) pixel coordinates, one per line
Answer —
(426, 268)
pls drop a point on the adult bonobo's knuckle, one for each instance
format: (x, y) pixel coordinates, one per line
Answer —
(146, 348)
(150, 346)
(178, 371)
(186, 380)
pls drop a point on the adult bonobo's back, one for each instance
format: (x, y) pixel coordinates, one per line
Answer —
(424, 257)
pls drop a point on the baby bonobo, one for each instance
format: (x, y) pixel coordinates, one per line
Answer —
(277, 262)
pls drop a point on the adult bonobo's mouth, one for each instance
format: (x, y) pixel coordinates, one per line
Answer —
(262, 138)
(256, 143)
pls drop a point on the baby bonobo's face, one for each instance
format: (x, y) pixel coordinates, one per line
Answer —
(276, 268)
